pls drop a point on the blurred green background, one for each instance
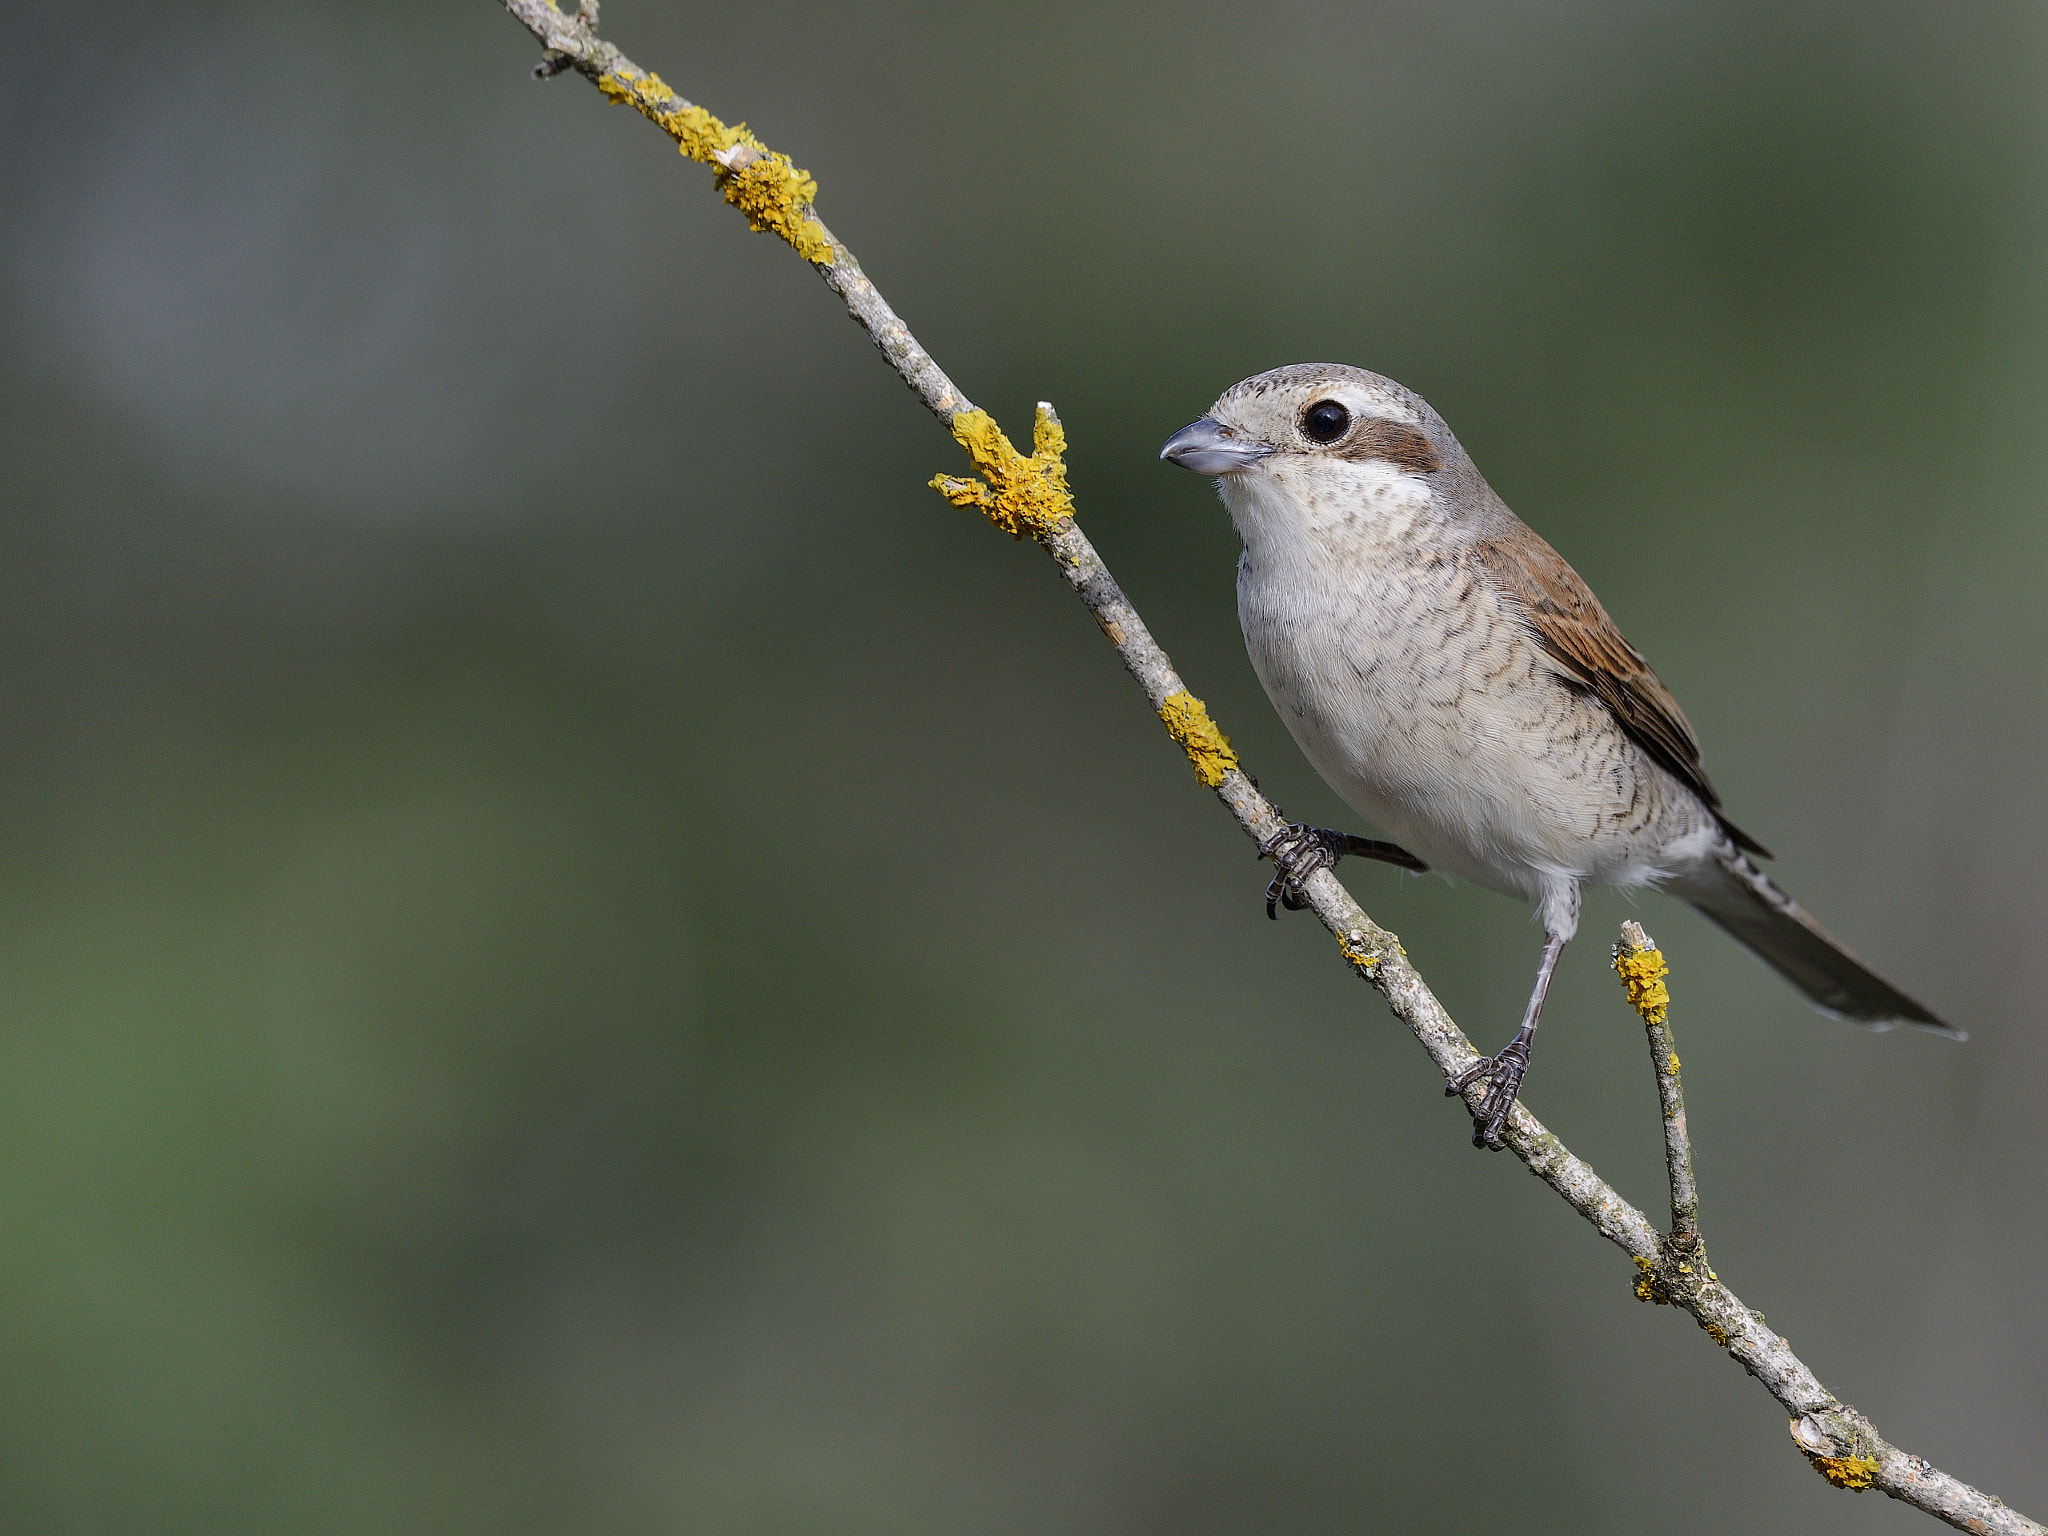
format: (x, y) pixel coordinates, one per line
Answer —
(578, 953)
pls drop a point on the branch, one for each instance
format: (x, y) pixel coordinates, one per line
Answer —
(1023, 494)
(1641, 967)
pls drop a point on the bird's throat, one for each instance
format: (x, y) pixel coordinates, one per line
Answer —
(1322, 517)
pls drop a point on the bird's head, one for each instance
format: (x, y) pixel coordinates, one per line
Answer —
(1308, 414)
(1324, 456)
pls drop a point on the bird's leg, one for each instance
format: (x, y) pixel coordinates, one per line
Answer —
(1505, 1070)
(1299, 850)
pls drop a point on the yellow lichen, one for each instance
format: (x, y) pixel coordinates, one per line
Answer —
(1647, 1288)
(773, 194)
(1642, 972)
(1718, 1334)
(1671, 1065)
(1855, 1473)
(1363, 958)
(1019, 495)
(1187, 722)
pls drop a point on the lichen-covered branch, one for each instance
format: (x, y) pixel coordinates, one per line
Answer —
(1027, 494)
(1843, 1445)
(1640, 964)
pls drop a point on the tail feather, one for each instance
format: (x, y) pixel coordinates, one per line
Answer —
(1748, 904)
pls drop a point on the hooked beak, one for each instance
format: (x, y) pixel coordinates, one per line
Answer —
(1203, 447)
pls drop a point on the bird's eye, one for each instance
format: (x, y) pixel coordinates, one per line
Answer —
(1325, 421)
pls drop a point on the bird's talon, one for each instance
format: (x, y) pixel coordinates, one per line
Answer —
(1459, 1083)
(1273, 894)
(1297, 850)
(1504, 1072)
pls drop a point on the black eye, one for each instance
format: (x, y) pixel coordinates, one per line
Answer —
(1326, 421)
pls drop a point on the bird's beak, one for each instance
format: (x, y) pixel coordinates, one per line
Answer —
(1203, 447)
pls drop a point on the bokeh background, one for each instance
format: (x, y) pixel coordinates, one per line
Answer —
(578, 953)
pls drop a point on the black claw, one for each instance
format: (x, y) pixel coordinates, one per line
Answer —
(1297, 851)
(1504, 1070)
(1504, 1074)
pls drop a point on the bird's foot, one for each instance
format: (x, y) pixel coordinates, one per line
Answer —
(1504, 1073)
(1298, 851)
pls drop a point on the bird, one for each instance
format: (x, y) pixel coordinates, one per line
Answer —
(1459, 686)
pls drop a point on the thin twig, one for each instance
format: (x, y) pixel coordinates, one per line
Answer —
(1641, 967)
(1831, 1433)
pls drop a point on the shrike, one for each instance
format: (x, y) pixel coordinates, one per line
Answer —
(1461, 688)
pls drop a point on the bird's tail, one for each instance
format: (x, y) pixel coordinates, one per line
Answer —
(1747, 903)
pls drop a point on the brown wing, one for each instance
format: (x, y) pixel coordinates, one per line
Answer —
(1579, 636)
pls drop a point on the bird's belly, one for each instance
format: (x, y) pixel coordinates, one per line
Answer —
(1436, 716)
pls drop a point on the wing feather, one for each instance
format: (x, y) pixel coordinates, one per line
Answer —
(1575, 631)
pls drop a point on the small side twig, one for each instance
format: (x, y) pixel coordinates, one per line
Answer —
(553, 63)
(1841, 1444)
(1642, 970)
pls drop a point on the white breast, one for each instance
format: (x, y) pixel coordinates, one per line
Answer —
(1420, 696)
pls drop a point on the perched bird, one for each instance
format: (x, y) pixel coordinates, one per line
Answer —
(1459, 686)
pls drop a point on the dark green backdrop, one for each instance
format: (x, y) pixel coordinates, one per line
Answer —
(578, 953)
